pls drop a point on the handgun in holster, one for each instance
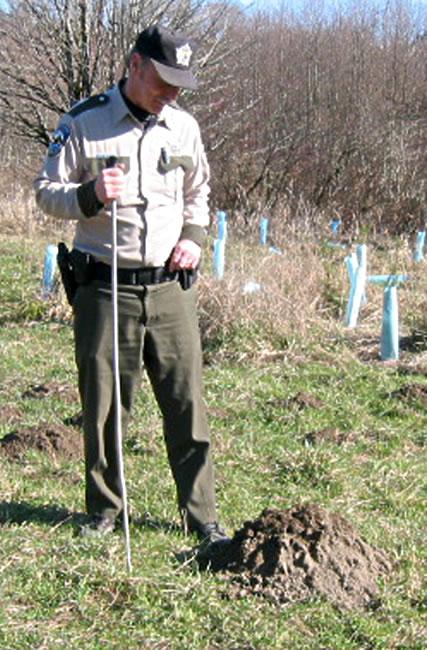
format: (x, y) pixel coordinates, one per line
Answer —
(75, 267)
(187, 277)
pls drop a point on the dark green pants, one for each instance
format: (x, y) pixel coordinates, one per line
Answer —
(158, 328)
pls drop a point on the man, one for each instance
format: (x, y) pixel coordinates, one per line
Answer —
(161, 187)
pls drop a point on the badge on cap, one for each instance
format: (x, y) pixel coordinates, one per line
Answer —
(58, 139)
(183, 55)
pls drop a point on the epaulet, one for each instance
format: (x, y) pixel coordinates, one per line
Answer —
(88, 104)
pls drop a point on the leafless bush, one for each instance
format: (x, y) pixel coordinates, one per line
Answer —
(21, 217)
(413, 302)
(332, 112)
(304, 116)
(265, 302)
(75, 49)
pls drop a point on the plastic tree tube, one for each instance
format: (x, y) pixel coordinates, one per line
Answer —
(263, 231)
(219, 257)
(221, 220)
(419, 246)
(335, 225)
(219, 244)
(390, 325)
(49, 269)
(357, 291)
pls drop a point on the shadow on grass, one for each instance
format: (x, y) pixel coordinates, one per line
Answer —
(147, 521)
(21, 512)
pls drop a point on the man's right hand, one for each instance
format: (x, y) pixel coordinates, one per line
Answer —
(110, 184)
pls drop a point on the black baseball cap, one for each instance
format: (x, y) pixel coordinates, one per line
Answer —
(171, 54)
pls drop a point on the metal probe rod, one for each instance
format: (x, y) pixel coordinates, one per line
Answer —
(116, 368)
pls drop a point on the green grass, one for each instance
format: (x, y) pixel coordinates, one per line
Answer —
(58, 590)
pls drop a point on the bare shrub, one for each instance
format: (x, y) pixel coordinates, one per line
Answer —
(20, 216)
(266, 301)
(322, 109)
(413, 303)
(332, 111)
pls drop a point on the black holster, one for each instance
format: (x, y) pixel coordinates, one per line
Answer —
(75, 267)
(187, 278)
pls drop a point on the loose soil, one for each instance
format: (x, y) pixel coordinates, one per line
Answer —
(415, 369)
(304, 400)
(330, 434)
(9, 414)
(300, 401)
(290, 556)
(55, 440)
(66, 392)
(412, 392)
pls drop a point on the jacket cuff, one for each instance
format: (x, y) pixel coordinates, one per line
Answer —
(87, 199)
(197, 234)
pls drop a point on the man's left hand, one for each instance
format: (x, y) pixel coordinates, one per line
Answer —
(186, 255)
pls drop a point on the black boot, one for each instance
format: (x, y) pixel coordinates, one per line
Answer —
(213, 540)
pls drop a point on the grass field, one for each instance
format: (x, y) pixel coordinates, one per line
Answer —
(61, 591)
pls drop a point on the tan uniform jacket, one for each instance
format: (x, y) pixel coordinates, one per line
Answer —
(167, 189)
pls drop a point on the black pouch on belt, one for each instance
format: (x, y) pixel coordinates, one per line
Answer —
(75, 267)
(66, 271)
(83, 266)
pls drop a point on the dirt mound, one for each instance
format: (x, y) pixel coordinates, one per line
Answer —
(54, 440)
(330, 434)
(53, 389)
(297, 402)
(290, 556)
(10, 413)
(302, 401)
(414, 369)
(412, 392)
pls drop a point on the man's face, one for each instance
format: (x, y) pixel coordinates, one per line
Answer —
(146, 88)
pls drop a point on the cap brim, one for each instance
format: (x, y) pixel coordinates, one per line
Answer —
(175, 76)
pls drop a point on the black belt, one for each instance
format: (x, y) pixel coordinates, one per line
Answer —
(148, 275)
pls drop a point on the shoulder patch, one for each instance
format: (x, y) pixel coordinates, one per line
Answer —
(57, 140)
(88, 104)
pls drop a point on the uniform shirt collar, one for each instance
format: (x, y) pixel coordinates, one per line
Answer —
(120, 110)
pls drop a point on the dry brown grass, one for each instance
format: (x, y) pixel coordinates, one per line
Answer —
(302, 293)
(294, 298)
(413, 303)
(302, 300)
(395, 256)
(21, 217)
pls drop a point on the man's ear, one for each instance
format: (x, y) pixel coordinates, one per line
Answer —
(134, 61)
